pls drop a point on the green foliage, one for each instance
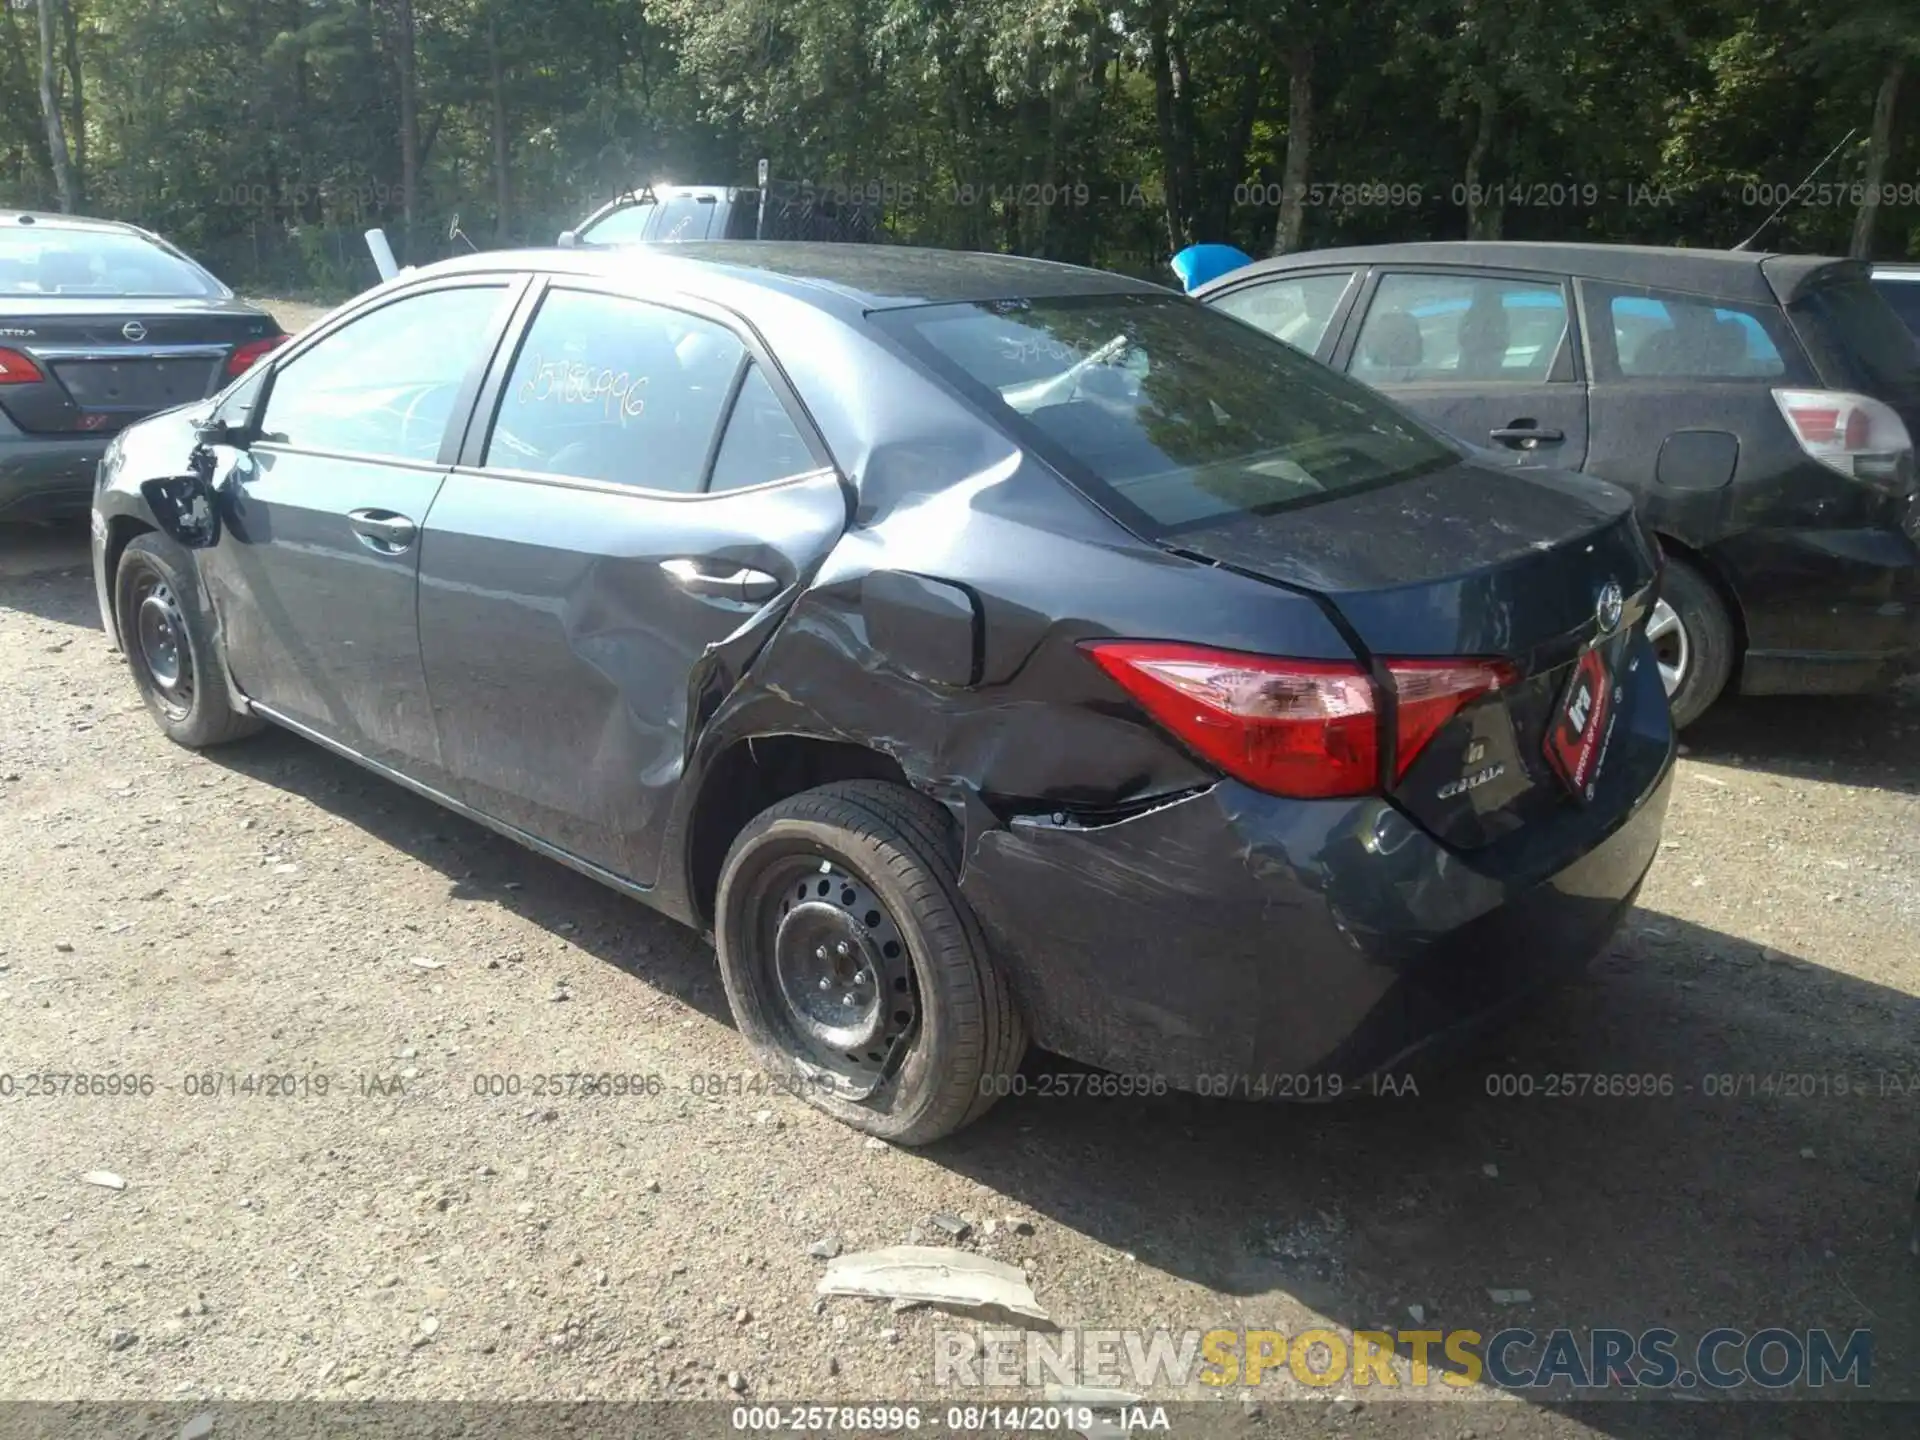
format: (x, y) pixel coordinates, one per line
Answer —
(265, 135)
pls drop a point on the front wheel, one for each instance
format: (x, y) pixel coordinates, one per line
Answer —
(857, 971)
(170, 645)
(1693, 641)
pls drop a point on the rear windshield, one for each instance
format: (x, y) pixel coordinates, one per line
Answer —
(53, 261)
(1170, 414)
(1857, 340)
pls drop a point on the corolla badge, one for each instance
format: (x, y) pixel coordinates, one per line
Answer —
(1609, 607)
(134, 330)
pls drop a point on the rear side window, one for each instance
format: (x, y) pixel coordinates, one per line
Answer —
(1460, 327)
(1857, 341)
(1904, 297)
(1661, 336)
(612, 389)
(762, 442)
(1165, 412)
(1296, 309)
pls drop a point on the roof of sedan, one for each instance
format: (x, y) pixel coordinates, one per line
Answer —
(1730, 273)
(874, 277)
(35, 219)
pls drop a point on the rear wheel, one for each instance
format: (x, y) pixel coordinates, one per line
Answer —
(1693, 640)
(170, 645)
(856, 970)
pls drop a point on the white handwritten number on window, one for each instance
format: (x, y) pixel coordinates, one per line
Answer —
(574, 382)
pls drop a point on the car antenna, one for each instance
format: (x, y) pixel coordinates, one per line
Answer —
(1793, 194)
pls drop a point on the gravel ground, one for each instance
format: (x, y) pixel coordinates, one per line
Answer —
(268, 909)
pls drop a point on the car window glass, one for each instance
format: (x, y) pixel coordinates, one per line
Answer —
(1904, 297)
(606, 388)
(385, 384)
(1674, 337)
(1175, 412)
(762, 442)
(1857, 339)
(1296, 310)
(627, 224)
(1460, 327)
(53, 260)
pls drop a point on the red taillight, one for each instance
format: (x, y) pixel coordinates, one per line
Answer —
(1292, 727)
(18, 369)
(1857, 435)
(1302, 728)
(1432, 692)
(245, 356)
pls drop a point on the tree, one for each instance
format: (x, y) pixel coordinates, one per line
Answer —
(50, 108)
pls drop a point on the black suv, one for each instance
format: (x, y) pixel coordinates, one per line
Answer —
(1760, 407)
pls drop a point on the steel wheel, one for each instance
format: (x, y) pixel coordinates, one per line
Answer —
(1671, 648)
(161, 645)
(838, 968)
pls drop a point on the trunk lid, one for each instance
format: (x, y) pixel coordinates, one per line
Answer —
(1468, 562)
(105, 363)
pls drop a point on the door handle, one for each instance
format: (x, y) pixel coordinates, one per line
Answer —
(383, 530)
(1526, 436)
(695, 578)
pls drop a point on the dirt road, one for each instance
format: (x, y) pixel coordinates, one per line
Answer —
(268, 910)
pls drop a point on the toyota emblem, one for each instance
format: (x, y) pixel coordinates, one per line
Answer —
(1607, 610)
(134, 330)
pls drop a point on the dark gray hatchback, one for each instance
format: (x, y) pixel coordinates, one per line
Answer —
(1760, 408)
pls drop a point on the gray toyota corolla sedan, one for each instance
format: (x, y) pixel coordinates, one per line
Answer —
(983, 649)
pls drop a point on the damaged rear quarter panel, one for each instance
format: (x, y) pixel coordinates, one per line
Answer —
(1037, 729)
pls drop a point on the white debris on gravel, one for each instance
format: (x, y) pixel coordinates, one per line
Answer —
(951, 1279)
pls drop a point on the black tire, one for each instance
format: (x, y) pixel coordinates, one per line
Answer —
(1708, 643)
(175, 658)
(965, 1040)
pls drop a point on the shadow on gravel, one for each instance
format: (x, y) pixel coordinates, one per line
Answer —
(1871, 740)
(1697, 1208)
(480, 866)
(46, 570)
(1769, 1186)
(1772, 1186)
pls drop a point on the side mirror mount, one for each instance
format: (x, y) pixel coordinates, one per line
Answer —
(569, 239)
(183, 506)
(222, 430)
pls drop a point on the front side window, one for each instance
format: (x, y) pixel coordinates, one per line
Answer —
(673, 217)
(1296, 309)
(386, 383)
(1657, 335)
(1460, 327)
(611, 389)
(1165, 411)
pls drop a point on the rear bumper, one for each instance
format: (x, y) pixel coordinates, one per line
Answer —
(1230, 937)
(41, 479)
(1828, 612)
